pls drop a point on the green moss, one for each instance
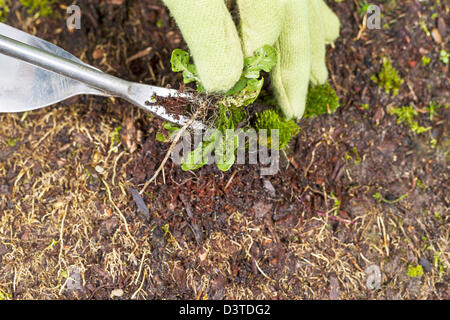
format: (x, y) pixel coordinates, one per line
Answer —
(270, 119)
(424, 27)
(439, 264)
(426, 61)
(321, 99)
(388, 78)
(41, 7)
(12, 142)
(432, 109)
(407, 115)
(237, 114)
(115, 138)
(3, 10)
(415, 272)
(357, 156)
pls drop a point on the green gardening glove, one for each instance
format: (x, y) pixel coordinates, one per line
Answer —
(299, 30)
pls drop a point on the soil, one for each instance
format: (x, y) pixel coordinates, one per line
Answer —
(355, 189)
(173, 105)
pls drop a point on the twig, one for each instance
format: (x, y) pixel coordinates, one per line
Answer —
(231, 179)
(173, 145)
(312, 157)
(362, 28)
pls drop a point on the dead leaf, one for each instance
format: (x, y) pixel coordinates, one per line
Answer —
(129, 135)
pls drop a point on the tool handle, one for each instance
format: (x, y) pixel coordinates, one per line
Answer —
(49, 61)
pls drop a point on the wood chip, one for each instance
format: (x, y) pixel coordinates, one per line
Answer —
(436, 36)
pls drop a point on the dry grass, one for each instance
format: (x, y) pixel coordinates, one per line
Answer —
(59, 214)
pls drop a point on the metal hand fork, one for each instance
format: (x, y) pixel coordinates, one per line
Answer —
(35, 73)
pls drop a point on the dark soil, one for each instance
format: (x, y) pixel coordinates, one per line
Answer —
(174, 105)
(354, 190)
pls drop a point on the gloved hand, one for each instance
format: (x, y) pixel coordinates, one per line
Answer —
(299, 30)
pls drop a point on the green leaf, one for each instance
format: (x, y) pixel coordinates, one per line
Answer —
(170, 127)
(232, 109)
(194, 160)
(161, 137)
(200, 156)
(444, 56)
(180, 63)
(239, 86)
(225, 150)
(264, 59)
(180, 60)
(246, 96)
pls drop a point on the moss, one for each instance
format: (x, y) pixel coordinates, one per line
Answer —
(4, 9)
(407, 115)
(115, 138)
(12, 142)
(432, 109)
(238, 114)
(426, 61)
(321, 99)
(41, 7)
(270, 119)
(415, 272)
(388, 78)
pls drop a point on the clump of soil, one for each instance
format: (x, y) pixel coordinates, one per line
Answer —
(173, 105)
